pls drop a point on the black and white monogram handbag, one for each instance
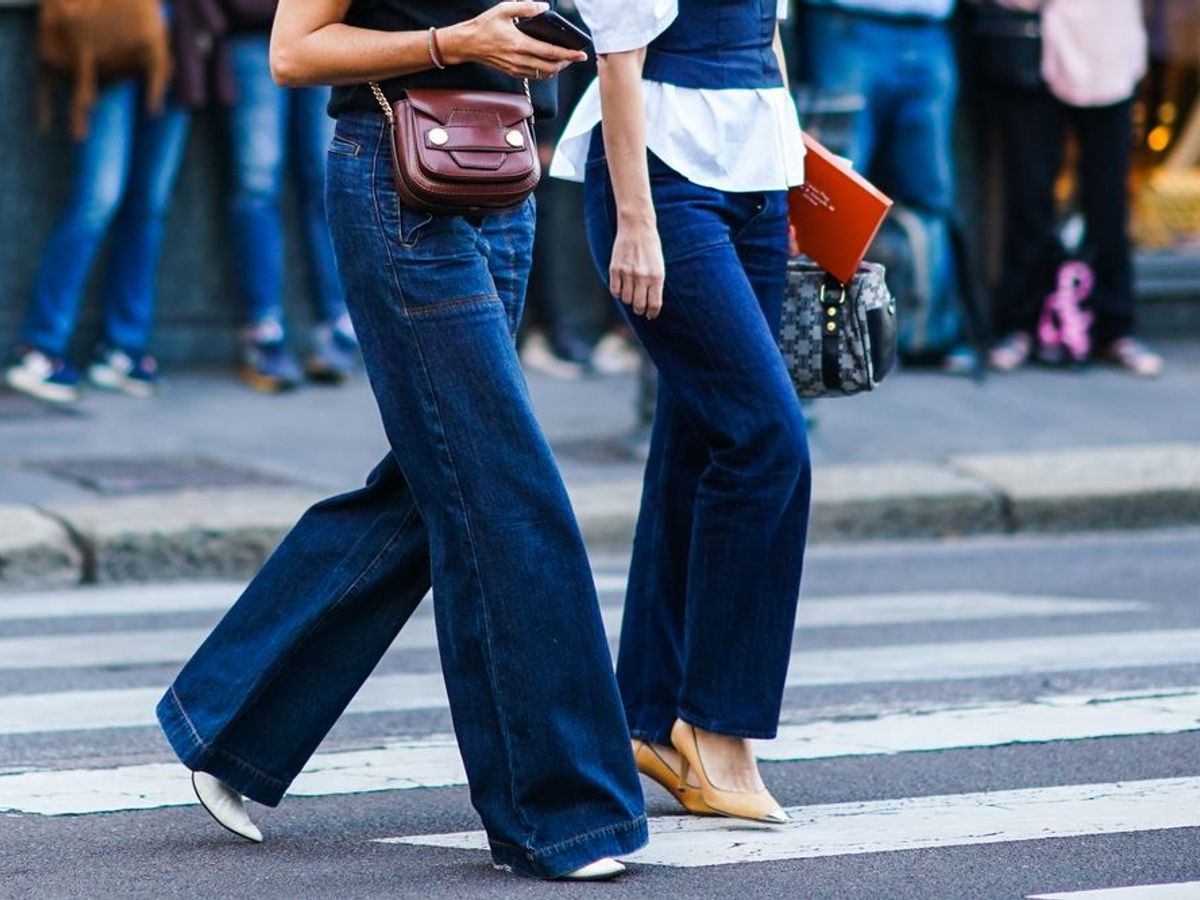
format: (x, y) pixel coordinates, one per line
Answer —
(837, 340)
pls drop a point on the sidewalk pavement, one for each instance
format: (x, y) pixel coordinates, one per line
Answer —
(202, 481)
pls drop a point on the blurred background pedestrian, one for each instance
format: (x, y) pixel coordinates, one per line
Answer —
(270, 127)
(1089, 57)
(126, 159)
(891, 68)
(571, 327)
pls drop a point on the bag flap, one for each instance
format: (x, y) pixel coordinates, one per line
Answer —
(450, 107)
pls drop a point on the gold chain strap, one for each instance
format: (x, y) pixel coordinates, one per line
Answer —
(383, 101)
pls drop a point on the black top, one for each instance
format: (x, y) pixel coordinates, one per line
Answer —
(421, 15)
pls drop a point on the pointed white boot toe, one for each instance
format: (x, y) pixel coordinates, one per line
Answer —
(225, 805)
(600, 870)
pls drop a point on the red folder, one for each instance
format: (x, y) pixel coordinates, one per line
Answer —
(836, 212)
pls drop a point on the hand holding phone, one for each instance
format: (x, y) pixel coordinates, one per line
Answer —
(552, 28)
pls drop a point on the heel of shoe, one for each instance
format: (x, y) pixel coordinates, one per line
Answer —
(684, 769)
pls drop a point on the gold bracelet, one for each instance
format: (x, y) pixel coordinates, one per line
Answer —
(435, 52)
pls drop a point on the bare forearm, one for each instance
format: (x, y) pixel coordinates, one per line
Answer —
(624, 126)
(343, 54)
(312, 44)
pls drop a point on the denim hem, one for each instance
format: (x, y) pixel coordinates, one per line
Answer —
(556, 860)
(200, 756)
(663, 739)
(651, 723)
(716, 726)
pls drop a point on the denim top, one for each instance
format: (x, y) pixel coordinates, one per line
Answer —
(717, 44)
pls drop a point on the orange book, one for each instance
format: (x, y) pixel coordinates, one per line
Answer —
(836, 212)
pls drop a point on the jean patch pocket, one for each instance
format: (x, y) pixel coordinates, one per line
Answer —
(343, 146)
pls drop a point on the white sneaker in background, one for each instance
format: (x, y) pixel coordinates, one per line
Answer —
(616, 355)
(537, 356)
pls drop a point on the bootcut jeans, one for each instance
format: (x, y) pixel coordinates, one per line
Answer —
(719, 546)
(469, 496)
(124, 175)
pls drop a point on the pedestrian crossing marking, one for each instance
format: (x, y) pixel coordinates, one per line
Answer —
(944, 661)
(171, 646)
(1051, 718)
(1183, 890)
(950, 660)
(137, 599)
(431, 762)
(911, 823)
(816, 612)
(134, 707)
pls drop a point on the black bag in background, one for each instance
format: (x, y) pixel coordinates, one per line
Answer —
(1008, 45)
(251, 13)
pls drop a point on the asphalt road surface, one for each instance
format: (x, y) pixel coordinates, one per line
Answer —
(999, 718)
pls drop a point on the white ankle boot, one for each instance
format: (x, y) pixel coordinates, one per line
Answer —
(225, 805)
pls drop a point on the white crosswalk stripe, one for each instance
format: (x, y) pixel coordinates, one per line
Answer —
(174, 645)
(434, 763)
(843, 829)
(1159, 706)
(1183, 890)
(928, 606)
(951, 660)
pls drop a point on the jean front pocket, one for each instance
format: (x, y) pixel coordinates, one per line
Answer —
(412, 223)
(344, 146)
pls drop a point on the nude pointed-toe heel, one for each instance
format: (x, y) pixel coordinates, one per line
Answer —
(651, 764)
(225, 805)
(757, 806)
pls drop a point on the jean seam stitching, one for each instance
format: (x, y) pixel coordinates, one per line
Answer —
(476, 300)
(492, 683)
(208, 747)
(487, 629)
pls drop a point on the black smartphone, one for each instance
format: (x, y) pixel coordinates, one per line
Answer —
(554, 29)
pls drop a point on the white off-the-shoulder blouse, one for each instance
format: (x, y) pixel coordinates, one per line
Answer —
(728, 139)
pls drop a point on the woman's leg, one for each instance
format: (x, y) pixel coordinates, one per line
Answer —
(101, 171)
(258, 129)
(158, 148)
(311, 130)
(718, 360)
(650, 662)
(1033, 134)
(1105, 156)
(471, 494)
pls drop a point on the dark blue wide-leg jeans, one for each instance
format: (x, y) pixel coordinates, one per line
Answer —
(469, 497)
(717, 557)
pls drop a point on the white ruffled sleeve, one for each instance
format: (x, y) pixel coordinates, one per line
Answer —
(621, 25)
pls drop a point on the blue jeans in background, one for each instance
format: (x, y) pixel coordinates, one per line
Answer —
(719, 547)
(271, 126)
(906, 74)
(470, 497)
(124, 171)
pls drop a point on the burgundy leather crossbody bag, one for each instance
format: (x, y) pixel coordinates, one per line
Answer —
(465, 153)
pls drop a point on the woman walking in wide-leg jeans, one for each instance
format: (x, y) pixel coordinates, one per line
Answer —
(468, 495)
(687, 214)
